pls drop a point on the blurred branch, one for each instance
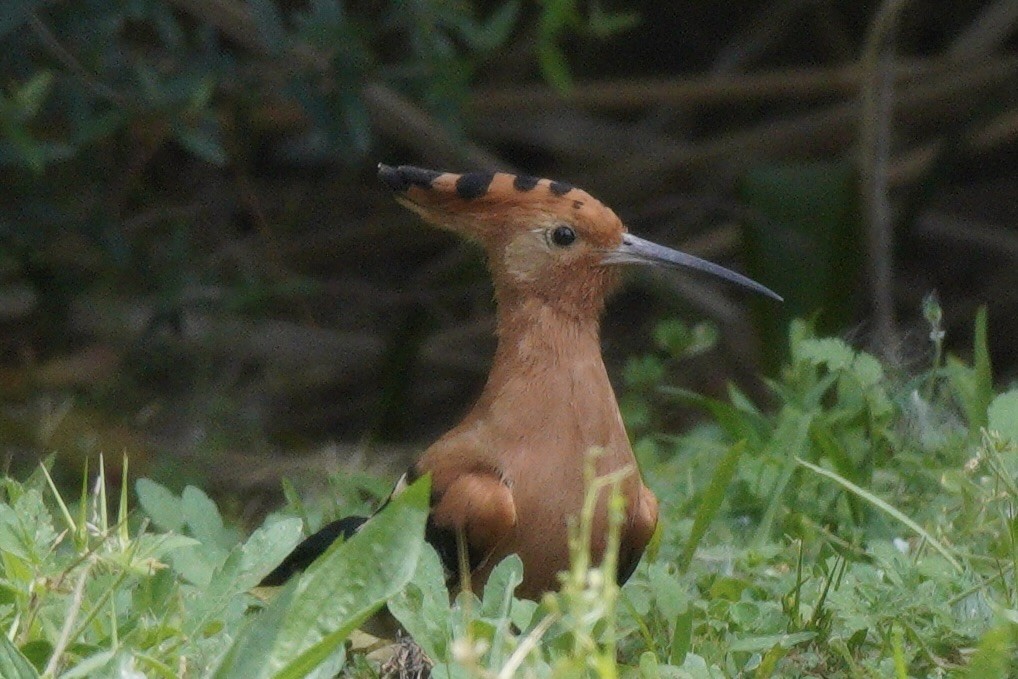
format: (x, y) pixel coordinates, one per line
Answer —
(998, 131)
(284, 344)
(632, 159)
(987, 32)
(966, 232)
(695, 91)
(874, 153)
(400, 120)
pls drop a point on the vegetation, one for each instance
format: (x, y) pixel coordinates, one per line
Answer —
(865, 528)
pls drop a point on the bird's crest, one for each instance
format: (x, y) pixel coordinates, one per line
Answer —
(490, 206)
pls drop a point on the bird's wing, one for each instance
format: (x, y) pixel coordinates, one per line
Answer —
(310, 549)
(305, 553)
(476, 505)
(642, 521)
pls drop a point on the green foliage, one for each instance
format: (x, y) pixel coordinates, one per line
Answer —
(83, 77)
(675, 342)
(116, 117)
(303, 629)
(866, 510)
(144, 65)
(118, 599)
(558, 19)
(13, 664)
(805, 216)
(859, 528)
(835, 406)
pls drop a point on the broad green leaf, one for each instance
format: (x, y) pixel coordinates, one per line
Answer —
(867, 370)
(422, 607)
(14, 665)
(644, 371)
(10, 543)
(671, 596)
(1003, 415)
(99, 664)
(307, 624)
(269, 545)
(199, 563)
(505, 577)
(830, 352)
(636, 412)
(27, 527)
(220, 585)
(649, 666)
(523, 613)
(770, 660)
(762, 643)
(162, 506)
(695, 667)
(202, 517)
(149, 548)
(673, 336)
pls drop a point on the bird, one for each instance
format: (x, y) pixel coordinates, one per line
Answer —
(510, 475)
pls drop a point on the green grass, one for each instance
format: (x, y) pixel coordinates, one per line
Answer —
(864, 524)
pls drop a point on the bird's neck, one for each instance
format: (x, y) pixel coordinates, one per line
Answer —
(535, 338)
(548, 382)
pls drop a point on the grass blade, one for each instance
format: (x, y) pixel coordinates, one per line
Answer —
(711, 502)
(888, 509)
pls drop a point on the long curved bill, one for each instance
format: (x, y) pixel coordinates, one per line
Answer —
(634, 250)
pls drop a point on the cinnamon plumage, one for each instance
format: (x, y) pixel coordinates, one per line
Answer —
(509, 476)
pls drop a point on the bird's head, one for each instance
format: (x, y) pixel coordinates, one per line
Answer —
(543, 239)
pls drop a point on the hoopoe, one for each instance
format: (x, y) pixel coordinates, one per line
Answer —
(509, 476)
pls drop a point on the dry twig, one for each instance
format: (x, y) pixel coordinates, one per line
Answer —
(875, 121)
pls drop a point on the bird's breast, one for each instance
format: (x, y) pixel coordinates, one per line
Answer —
(546, 480)
(547, 404)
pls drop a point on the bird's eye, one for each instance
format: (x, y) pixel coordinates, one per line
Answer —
(563, 236)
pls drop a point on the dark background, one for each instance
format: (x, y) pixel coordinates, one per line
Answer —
(199, 269)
